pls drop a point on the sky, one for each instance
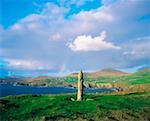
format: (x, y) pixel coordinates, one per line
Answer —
(57, 37)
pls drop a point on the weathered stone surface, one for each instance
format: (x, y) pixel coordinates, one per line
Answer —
(80, 86)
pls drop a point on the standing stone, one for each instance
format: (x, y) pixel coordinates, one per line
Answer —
(80, 86)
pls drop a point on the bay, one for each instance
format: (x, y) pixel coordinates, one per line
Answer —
(8, 89)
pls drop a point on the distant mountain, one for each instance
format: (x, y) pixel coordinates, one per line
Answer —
(110, 70)
(103, 72)
(107, 72)
(13, 79)
(144, 69)
(73, 75)
(47, 80)
(39, 78)
(143, 72)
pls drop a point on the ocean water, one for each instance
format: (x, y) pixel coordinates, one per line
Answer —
(8, 89)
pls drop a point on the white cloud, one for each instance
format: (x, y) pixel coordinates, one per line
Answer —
(99, 15)
(16, 27)
(78, 3)
(29, 38)
(56, 36)
(89, 43)
(26, 64)
(138, 50)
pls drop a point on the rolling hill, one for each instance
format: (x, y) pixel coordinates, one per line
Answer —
(103, 78)
(102, 73)
(107, 72)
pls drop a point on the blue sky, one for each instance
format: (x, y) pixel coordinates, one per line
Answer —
(55, 37)
(13, 10)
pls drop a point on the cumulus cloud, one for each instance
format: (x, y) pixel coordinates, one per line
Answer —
(89, 43)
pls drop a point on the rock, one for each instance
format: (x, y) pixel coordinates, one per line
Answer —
(89, 85)
(80, 86)
(89, 99)
(69, 85)
(72, 99)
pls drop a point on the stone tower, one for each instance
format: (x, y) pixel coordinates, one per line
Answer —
(80, 86)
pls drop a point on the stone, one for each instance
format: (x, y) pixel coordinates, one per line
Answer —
(80, 86)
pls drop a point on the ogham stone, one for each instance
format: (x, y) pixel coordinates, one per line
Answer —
(80, 86)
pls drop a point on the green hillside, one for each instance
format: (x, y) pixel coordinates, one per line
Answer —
(140, 77)
(106, 78)
(134, 106)
(131, 103)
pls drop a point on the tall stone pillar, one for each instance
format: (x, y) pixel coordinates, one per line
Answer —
(80, 86)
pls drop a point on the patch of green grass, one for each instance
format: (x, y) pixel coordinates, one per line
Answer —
(143, 80)
(58, 107)
(106, 79)
(70, 79)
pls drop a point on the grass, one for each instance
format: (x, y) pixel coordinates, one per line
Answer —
(118, 106)
(145, 80)
(103, 107)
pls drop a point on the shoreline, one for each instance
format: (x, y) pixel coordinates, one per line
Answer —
(13, 90)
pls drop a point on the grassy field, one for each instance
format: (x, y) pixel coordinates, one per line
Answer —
(131, 103)
(99, 107)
